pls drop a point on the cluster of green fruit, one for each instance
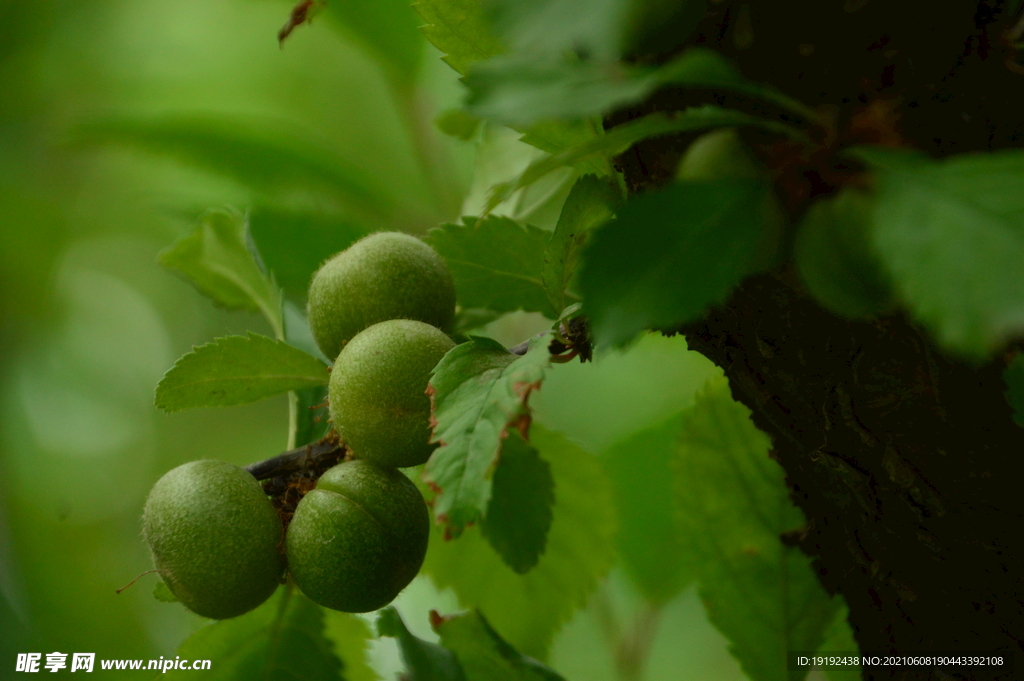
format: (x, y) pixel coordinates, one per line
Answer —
(359, 537)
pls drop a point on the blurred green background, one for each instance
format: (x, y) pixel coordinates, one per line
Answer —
(89, 322)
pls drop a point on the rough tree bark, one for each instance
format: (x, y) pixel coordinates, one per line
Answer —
(906, 462)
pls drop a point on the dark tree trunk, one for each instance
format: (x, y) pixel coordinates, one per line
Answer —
(906, 463)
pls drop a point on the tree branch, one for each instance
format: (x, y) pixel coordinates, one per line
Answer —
(314, 457)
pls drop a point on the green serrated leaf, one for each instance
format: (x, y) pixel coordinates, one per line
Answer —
(733, 506)
(591, 203)
(351, 637)
(281, 639)
(621, 137)
(699, 67)
(496, 265)
(460, 29)
(1014, 378)
(834, 256)
(293, 244)
(669, 255)
(555, 137)
(661, 26)
(522, 88)
(486, 656)
(650, 541)
(424, 661)
(237, 370)
(529, 609)
(217, 260)
(951, 235)
(261, 154)
(478, 391)
(839, 639)
(163, 593)
(519, 514)
(555, 27)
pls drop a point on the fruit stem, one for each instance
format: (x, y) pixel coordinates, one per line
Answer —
(293, 419)
(147, 572)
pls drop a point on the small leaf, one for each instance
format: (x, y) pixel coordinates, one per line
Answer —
(237, 370)
(555, 137)
(669, 255)
(281, 639)
(834, 256)
(733, 506)
(951, 235)
(699, 67)
(496, 265)
(621, 137)
(484, 655)
(528, 609)
(294, 244)
(351, 637)
(554, 27)
(217, 260)
(650, 541)
(424, 661)
(839, 639)
(163, 593)
(591, 202)
(478, 391)
(524, 87)
(519, 514)
(460, 29)
(1014, 378)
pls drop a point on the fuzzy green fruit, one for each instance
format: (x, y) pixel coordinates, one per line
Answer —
(719, 155)
(214, 537)
(388, 275)
(359, 538)
(722, 155)
(378, 386)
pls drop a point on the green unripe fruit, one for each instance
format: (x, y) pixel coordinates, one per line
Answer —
(378, 386)
(722, 155)
(388, 275)
(359, 538)
(214, 537)
(719, 155)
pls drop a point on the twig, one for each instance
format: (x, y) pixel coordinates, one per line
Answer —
(319, 455)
